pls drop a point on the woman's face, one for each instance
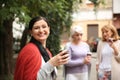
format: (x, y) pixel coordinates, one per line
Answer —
(107, 34)
(77, 37)
(40, 30)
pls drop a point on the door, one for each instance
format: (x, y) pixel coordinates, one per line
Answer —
(92, 31)
(92, 36)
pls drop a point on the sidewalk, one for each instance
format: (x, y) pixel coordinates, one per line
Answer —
(93, 69)
(93, 74)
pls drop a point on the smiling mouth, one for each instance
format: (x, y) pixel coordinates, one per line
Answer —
(41, 35)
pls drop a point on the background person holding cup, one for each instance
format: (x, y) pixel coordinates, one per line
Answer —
(77, 66)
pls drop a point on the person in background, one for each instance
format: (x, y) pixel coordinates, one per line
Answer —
(108, 51)
(79, 62)
(35, 61)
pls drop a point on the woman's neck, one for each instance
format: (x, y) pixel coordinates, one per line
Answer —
(43, 43)
(76, 42)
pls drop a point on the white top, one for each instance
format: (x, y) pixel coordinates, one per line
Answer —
(115, 59)
(45, 72)
(106, 57)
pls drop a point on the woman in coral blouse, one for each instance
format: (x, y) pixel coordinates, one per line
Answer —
(35, 62)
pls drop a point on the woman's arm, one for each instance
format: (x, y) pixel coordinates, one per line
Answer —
(98, 54)
(45, 71)
(116, 48)
(76, 62)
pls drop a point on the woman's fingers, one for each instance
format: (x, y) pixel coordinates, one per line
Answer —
(63, 52)
(60, 59)
(65, 56)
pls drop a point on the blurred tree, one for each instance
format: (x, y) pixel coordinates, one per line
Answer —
(8, 10)
(57, 11)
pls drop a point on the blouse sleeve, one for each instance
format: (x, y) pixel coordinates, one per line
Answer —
(27, 64)
(98, 52)
(45, 71)
(77, 62)
(118, 47)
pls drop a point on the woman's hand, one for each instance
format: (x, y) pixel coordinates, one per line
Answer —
(112, 45)
(87, 59)
(60, 59)
(97, 67)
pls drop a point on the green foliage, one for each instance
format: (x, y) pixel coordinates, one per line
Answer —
(97, 3)
(58, 13)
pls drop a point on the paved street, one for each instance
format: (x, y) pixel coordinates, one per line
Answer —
(93, 70)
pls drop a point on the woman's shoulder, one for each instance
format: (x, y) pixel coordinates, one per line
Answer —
(68, 43)
(29, 48)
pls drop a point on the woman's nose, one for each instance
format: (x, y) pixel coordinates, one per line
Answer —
(40, 29)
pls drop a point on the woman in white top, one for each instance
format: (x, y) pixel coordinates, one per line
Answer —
(108, 50)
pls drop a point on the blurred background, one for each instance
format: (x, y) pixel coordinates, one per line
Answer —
(62, 15)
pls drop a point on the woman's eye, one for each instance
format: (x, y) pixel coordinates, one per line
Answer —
(44, 26)
(36, 28)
